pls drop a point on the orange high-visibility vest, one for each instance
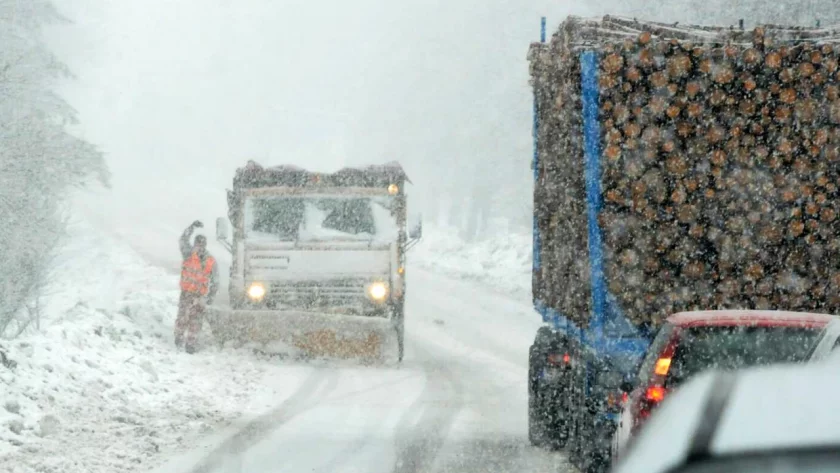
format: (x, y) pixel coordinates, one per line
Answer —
(194, 277)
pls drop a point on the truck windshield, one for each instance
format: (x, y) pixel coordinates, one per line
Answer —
(307, 218)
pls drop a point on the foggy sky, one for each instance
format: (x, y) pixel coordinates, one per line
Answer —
(180, 93)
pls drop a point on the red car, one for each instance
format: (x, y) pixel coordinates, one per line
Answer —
(691, 342)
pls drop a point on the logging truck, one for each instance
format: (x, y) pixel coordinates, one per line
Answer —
(676, 168)
(318, 261)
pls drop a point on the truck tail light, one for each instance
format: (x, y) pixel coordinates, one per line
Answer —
(558, 359)
(616, 400)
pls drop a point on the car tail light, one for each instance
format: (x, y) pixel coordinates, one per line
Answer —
(647, 400)
(663, 365)
(655, 394)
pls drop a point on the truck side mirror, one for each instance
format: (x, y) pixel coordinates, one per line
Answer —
(416, 231)
(222, 230)
(223, 233)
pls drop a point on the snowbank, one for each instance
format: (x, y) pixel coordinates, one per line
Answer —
(99, 387)
(502, 260)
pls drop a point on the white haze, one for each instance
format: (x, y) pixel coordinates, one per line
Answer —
(179, 94)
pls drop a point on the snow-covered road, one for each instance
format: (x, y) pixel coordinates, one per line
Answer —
(99, 387)
(458, 402)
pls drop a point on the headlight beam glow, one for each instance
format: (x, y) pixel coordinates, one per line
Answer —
(378, 291)
(256, 291)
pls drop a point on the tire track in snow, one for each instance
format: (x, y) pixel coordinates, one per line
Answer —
(303, 399)
(342, 457)
(357, 447)
(441, 400)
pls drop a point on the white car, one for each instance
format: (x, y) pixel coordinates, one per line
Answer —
(689, 343)
(778, 419)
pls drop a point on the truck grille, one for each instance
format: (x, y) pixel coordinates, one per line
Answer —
(346, 295)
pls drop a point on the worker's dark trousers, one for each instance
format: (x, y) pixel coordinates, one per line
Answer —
(188, 322)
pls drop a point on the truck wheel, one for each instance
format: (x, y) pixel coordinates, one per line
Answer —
(596, 463)
(536, 426)
(400, 342)
(400, 328)
(575, 445)
(544, 430)
(557, 438)
(561, 429)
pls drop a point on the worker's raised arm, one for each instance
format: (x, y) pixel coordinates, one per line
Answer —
(184, 243)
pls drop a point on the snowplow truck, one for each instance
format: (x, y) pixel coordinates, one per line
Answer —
(318, 261)
(676, 168)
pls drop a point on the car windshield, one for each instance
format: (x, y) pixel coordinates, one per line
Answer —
(319, 219)
(727, 347)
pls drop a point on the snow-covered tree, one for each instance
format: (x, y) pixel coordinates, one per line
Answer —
(39, 159)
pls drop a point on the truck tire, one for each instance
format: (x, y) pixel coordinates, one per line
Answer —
(557, 438)
(576, 410)
(400, 341)
(536, 426)
(536, 353)
(547, 415)
(540, 434)
(399, 326)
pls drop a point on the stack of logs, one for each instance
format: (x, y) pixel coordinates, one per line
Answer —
(720, 168)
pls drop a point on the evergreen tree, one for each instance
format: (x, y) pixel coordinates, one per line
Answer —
(39, 159)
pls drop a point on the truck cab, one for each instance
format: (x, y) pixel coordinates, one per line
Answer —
(321, 255)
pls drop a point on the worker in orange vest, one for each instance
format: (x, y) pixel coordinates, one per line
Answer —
(199, 283)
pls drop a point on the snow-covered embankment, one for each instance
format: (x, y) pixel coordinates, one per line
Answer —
(501, 260)
(99, 388)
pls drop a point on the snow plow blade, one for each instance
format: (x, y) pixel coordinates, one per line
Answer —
(314, 334)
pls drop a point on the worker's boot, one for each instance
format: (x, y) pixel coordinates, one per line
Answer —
(190, 348)
(179, 343)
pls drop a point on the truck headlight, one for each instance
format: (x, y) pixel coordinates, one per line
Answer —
(256, 291)
(378, 291)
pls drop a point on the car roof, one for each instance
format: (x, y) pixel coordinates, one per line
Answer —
(769, 408)
(762, 318)
(801, 402)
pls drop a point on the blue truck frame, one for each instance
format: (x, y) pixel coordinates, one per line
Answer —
(601, 340)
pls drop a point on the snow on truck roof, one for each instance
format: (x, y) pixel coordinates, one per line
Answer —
(767, 318)
(255, 175)
(591, 32)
